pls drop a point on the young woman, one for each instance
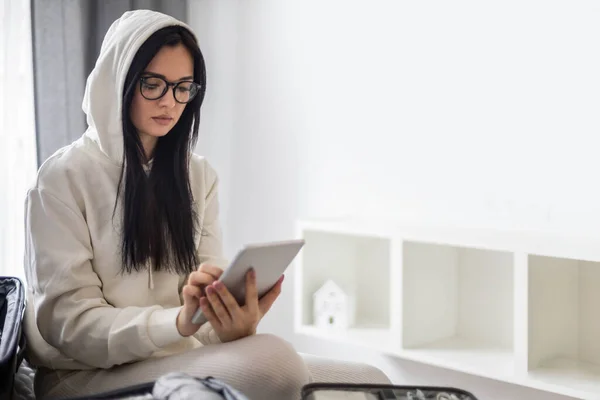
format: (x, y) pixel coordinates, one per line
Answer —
(123, 239)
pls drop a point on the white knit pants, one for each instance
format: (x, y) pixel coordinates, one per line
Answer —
(262, 366)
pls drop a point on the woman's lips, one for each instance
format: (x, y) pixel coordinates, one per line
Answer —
(163, 120)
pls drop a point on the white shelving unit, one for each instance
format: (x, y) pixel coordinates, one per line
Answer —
(518, 307)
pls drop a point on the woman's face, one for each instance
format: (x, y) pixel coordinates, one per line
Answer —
(155, 118)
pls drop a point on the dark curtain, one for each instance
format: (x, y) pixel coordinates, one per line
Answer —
(67, 35)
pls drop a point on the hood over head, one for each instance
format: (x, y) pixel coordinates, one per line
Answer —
(103, 98)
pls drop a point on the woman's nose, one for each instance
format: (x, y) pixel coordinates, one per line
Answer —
(168, 100)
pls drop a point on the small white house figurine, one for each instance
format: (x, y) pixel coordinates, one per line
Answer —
(333, 308)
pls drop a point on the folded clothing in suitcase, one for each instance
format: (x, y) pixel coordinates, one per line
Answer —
(341, 391)
(173, 386)
(12, 337)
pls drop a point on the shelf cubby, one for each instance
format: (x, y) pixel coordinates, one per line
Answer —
(360, 265)
(457, 306)
(564, 327)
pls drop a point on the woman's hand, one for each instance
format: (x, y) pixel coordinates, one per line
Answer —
(192, 292)
(228, 319)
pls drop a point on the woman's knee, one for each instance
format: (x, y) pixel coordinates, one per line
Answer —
(279, 366)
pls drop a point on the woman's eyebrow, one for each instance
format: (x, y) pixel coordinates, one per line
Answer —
(185, 78)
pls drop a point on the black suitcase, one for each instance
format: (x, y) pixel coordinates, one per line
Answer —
(12, 336)
(324, 391)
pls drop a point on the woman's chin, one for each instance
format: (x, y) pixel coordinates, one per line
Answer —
(158, 133)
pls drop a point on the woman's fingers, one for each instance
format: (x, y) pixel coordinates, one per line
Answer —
(230, 303)
(218, 307)
(265, 302)
(199, 278)
(191, 294)
(204, 276)
(212, 270)
(209, 313)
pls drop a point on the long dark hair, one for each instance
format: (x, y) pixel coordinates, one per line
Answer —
(159, 219)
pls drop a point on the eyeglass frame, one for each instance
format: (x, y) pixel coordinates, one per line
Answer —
(167, 85)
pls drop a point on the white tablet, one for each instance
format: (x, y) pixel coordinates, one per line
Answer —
(269, 260)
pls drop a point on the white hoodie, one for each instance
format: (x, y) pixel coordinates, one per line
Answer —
(82, 312)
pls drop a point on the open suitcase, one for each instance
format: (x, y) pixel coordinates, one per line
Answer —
(12, 337)
(339, 391)
(215, 390)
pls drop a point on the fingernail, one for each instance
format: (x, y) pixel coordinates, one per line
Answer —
(210, 290)
(218, 285)
(253, 273)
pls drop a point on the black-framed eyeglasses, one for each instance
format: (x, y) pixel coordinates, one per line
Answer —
(155, 87)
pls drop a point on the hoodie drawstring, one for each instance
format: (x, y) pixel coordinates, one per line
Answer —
(150, 277)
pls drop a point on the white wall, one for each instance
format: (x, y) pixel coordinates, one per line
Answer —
(215, 25)
(475, 113)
